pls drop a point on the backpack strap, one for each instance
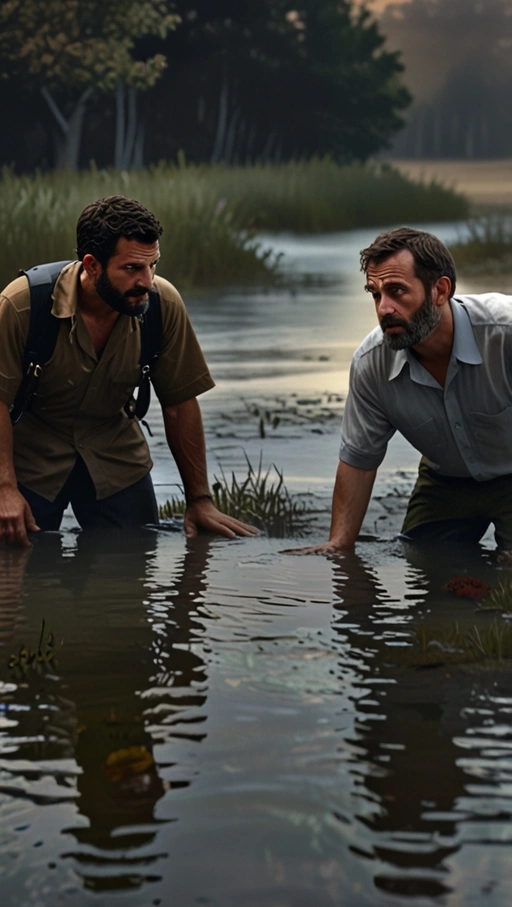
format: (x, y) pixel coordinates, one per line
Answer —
(44, 329)
(151, 333)
(42, 333)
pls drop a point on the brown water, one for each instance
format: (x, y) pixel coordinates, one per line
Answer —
(287, 759)
(218, 723)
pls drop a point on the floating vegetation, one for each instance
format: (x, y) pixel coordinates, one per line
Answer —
(266, 419)
(258, 500)
(125, 763)
(286, 416)
(500, 599)
(42, 657)
(455, 645)
(494, 642)
(467, 587)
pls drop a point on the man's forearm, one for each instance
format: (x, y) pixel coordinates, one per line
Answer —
(7, 474)
(352, 492)
(16, 517)
(185, 437)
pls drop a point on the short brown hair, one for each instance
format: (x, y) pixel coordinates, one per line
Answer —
(432, 259)
(103, 222)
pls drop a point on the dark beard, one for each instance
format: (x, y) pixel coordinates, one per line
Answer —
(119, 301)
(421, 324)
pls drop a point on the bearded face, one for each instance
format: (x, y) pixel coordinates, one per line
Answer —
(121, 301)
(419, 326)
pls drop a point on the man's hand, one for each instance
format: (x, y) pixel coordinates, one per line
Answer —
(352, 491)
(328, 548)
(204, 515)
(16, 518)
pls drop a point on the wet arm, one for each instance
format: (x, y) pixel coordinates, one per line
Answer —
(185, 437)
(15, 514)
(352, 492)
(351, 496)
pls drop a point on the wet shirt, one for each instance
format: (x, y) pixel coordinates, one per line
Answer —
(79, 405)
(463, 429)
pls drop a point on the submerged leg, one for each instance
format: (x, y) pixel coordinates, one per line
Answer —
(133, 506)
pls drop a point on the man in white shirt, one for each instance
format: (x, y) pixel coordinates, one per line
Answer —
(439, 370)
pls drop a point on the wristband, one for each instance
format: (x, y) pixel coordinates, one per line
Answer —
(199, 497)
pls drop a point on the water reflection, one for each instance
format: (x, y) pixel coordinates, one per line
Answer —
(126, 678)
(223, 703)
(433, 742)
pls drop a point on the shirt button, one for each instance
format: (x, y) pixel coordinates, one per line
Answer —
(80, 445)
(457, 425)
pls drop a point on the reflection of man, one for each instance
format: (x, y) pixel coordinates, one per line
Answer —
(439, 371)
(77, 444)
(119, 685)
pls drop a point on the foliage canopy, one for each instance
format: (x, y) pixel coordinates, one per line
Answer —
(230, 82)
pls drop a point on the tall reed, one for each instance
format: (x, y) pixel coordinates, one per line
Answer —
(319, 196)
(210, 212)
(487, 245)
(258, 499)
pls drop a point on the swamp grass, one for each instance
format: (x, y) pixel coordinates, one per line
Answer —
(437, 645)
(320, 196)
(487, 246)
(500, 599)
(210, 213)
(260, 499)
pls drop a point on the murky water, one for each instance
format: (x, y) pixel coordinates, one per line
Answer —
(218, 723)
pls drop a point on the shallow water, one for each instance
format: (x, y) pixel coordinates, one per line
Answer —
(287, 758)
(218, 723)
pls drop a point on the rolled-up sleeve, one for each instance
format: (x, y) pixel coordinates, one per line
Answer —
(13, 331)
(365, 428)
(181, 371)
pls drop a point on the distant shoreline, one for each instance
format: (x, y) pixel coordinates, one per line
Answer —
(485, 183)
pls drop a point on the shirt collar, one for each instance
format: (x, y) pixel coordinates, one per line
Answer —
(464, 348)
(65, 291)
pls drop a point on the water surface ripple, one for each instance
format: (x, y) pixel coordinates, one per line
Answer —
(217, 723)
(225, 724)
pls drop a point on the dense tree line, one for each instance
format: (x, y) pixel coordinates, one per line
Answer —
(130, 82)
(459, 67)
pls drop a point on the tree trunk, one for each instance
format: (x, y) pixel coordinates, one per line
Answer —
(418, 135)
(127, 143)
(470, 136)
(250, 144)
(68, 145)
(218, 145)
(239, 143)
(138, 151)
(437, 132)
(268, 148)
(120, 125)
(484, 137)
(231, 135)
(454, 132)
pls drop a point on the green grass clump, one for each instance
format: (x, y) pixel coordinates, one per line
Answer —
(210, 212)
(500, 599)
(256, 500)
(487, 249)
(201, 243)
(455, 645)
(319, 196)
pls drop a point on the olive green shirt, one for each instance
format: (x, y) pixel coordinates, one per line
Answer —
(79, 405)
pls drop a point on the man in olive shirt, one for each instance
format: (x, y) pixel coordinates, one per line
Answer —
(438, 369)
(77, 444)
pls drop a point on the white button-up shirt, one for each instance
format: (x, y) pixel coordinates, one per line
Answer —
(463, 429)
